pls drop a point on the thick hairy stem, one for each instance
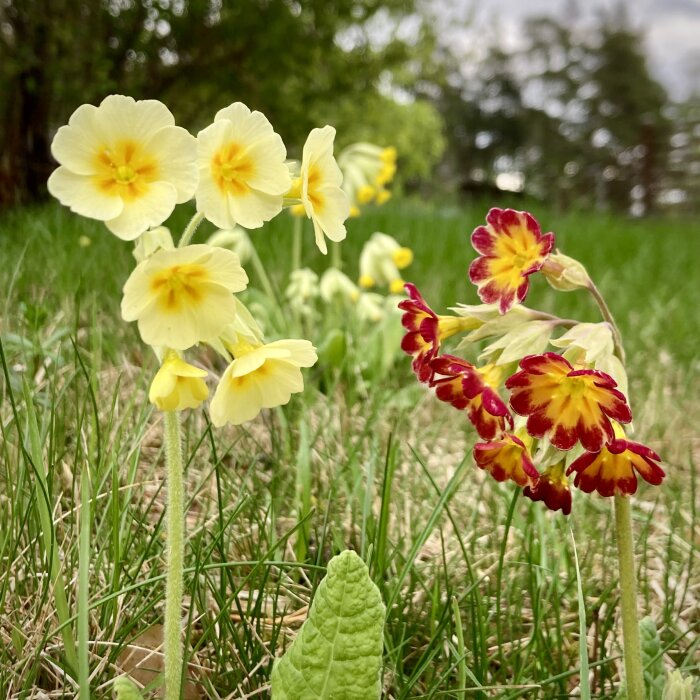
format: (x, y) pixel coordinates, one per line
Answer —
(190, 229)
(172, 642)
(634, 674)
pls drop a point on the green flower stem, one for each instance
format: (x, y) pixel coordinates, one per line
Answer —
(190, 229)
(297, 242)
(336, 256)
(261, 273)
(634, 673)
(607, 315)
(172, 642)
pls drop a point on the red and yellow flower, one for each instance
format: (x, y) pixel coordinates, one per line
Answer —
(426, 330)
(508, 457)
(611, 471)
(552, 488)
(567, 404)
(512, 247)
(473, 389)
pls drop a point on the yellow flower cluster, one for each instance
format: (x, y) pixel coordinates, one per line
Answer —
(381, 260)
(367, 170)
(127, 164)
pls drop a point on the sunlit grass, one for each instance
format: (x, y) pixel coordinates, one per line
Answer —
(376, 465)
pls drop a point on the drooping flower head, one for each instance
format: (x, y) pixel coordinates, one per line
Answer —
(260, 376)
(178, 385)
(324, 201)
(381, 259)
(367, 169)
(124, 163)
(184, 296)
(242, 170)
(611, 471)
(507, 457)
(426, 330)
(473, 389)
(552, 488)
(565, 404)
(512, 247)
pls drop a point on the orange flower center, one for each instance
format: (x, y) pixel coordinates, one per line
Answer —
(313, 187)
(180, 286)
(125, 171)
(231, 168)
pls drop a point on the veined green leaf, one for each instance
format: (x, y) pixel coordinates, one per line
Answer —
(338, 651)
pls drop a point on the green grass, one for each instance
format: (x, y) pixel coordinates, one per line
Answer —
(481, 586)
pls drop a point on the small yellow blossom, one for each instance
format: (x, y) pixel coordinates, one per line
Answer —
(242, 170)
(261, 376)
(178, 385)
(366, 168)
(124, 163)
(380, 261)
(323, 199)
(184, 296)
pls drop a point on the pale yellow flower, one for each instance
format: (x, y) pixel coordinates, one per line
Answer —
(235, 239)
(124, 163)
(242, 171)
(366, 169)
(337, 285)
(260, 377)
(178, 385)
(324, 201)
(184, 296)
(151, 241)
(380, 261)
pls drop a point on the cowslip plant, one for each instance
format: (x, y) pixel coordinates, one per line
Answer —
(543, 415)
(338, 650)
(125, 162)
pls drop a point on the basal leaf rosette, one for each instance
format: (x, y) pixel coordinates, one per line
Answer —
(124, 163)
(507, 458)
(512, 247)
(260, 376)
(566, 404)
(613, 470)
(426, 331)
(472, 389)
(242, 170)
(183, 296)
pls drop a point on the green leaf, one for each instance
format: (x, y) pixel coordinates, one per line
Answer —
(338, 651)
(125, 689)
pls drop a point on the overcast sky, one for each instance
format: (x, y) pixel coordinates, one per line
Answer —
(671, 29)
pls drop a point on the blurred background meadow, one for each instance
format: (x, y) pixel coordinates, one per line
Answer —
(586, 114)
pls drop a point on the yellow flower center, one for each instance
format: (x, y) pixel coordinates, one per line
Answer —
(231, 169)
(180, 286)
(313, 187)
(403, 257)
(125, 170)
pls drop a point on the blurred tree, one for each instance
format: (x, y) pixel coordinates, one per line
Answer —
(279, 56)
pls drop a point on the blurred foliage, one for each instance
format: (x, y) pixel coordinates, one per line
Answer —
(278, 56)
(572, 115)
(415, 129)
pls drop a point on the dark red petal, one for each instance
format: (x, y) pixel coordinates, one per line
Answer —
(479, 270)
(482, 240)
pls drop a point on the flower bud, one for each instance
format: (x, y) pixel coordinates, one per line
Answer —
(336, 284)
(565, 274)
(151, 241)
(235, 239)
(529, 338)
(677, 687)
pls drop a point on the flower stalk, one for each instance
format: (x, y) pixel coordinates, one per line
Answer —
(632, 649)
(190, 229)
(172, 642)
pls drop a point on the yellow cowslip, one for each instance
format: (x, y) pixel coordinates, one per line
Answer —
(380, 261)
(151, 241)
(260, 376)
(242, 170)
(366, 168)
(124, 163)
(184, 296)
(319, 188)
(178, 385)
